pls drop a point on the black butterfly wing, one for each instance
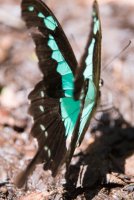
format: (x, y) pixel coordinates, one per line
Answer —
(53, 108)
(87, 80)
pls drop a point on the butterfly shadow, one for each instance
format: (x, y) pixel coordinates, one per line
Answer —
(103, 162)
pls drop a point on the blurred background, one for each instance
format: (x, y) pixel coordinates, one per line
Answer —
(19, 72)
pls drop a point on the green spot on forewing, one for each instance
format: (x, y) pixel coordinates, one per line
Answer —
(51, 37)
(50, 23)
(63, 68)
(52, 44)
(56, 55)
(41, 15)
(88, 73)
(96, 26)
(51, 19)
(30, 8)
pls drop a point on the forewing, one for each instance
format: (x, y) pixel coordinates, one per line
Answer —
(87, 79)
(91, 61)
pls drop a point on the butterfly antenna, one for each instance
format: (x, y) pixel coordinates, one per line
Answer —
(117, 56)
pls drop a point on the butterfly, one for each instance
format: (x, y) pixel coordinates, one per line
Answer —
(64, 101)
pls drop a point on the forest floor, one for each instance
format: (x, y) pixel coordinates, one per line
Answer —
(103, 166)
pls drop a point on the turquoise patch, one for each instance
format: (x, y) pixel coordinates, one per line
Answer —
(96, 26)
(91, 93)
(63, 68)
(88, 73)
(52, 44)
(31, 8)
(88, 105)
(96, 23)
(49, 21)
(51, 37)
(67, 81)
(69, 110)
(41, 15)
(56, 55)
(68, 93)
(69, 107)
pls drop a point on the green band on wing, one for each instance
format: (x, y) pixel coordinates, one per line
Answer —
(88, 105)
(69, 107)
(52, 44)
(49, 21)
(67, 84)
(70, 110)
(63, 68)
(91, 93)
(88, 73)
(96, 25)
(56, 55)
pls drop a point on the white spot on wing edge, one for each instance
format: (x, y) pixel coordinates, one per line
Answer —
(42, 127)
(41, 108)
(49, 153)
(46, 148)
(46, 134)
(42, 94)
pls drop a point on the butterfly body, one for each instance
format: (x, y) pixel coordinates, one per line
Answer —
(63, 102)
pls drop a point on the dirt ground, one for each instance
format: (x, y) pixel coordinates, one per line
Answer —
(103, 166)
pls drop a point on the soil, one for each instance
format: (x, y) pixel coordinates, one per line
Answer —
(102, 168)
